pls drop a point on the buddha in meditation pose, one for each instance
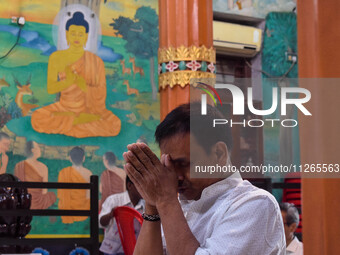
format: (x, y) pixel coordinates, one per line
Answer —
(79, 77)
(32, 170)
(77, 199)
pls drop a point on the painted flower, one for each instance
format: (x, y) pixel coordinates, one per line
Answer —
(194, 65)
(211, 67)
(159, 69)
(171, 66)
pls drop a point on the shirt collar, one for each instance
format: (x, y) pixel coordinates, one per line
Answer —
(223, 185)
(217, 188)
(294, 245)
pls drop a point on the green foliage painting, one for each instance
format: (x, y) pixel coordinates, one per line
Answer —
(141, 35)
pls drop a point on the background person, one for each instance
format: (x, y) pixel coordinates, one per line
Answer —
(214, 215)
(111, 244)
(290, 216)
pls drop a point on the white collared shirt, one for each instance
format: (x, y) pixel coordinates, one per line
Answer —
(111, 243)
(233, 217)
(295, 247)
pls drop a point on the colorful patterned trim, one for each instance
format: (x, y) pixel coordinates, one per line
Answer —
(186, 54)
(192, 65)
(176, 66)
(181, 78)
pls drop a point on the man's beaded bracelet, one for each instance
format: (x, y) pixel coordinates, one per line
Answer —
(154, 217)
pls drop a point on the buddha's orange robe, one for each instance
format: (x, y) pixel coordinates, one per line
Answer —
(26, 172)
(55, 118)
(74, 199)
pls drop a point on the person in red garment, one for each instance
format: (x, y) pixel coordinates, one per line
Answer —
(223, 215)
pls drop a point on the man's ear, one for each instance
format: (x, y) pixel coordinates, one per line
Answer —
(221, 152)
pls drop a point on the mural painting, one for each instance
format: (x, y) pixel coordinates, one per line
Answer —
(79, 85)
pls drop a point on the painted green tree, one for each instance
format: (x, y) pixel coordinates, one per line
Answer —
(141, 35)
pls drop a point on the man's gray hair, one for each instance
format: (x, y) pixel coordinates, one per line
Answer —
(292, 213)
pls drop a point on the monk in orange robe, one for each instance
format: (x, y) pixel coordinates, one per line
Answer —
(77, 199)
(79, 77)
(32, 170)
(112, 180)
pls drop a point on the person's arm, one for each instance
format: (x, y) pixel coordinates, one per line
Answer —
(150, 238)
(105, 219)
(4, 162)
(157, 184)
(178, 236)
(106, 213)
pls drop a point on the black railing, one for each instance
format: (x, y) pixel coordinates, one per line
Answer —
(92, 213)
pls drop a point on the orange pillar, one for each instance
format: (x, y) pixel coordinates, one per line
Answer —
(318, 41)
(185, 49)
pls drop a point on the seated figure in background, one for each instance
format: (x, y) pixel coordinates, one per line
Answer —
(32, 170)
(79, 77)
(77, 199)
(290, 216)
(111, 244)
(112, 180)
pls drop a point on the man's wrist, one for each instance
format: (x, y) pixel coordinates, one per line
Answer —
(150, 209)
(164, 205)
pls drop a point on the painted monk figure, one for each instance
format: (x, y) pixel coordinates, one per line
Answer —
(112, 180)
(79, 76)
(78, 199)
(5, 142)
(32, 170)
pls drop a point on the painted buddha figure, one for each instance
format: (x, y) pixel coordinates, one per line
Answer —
(79, 77)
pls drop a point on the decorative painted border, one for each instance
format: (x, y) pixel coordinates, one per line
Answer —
(176, 66)
(181, 78)
(186, 54)
(192, 65)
